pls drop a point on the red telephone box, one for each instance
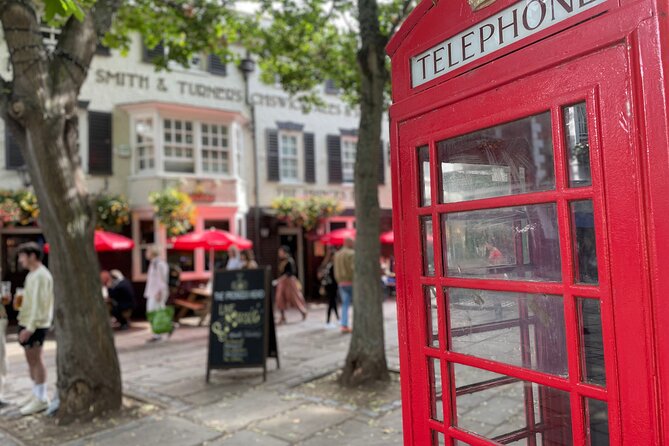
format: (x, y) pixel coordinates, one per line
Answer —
(530, 139)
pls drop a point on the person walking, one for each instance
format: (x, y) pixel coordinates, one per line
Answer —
(35, 318)
(157, 288)
(288, 293)
(329, 285)
(343, 272)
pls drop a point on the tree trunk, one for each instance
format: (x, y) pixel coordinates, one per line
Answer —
(39, 106)
(366, 360)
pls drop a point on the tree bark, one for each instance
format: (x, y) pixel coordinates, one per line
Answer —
(366, 360)
(39, 106)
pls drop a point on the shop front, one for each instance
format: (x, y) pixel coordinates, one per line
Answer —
(536, 136)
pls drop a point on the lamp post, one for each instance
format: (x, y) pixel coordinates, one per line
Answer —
(247, 66)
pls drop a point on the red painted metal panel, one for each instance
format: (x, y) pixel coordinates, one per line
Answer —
(615, 195)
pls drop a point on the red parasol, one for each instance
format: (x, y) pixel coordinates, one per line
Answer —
(211, 239)
(107, 241)
(215, 239)
(337, 237)
(388, 238)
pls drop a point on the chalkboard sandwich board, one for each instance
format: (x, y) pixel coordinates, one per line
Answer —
(241, 332)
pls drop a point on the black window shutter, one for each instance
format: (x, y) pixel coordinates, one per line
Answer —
(382, 163)
(272, 155)
(334, 159)
(309, 158)
(99, 143)
(101, 50)
(150, 55)
(215, 65)
(13, 156)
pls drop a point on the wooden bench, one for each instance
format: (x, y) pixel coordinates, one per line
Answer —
(198, 301)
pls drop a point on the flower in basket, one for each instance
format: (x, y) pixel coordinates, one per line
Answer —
(174, 210)
(306, 212)
(112, 212)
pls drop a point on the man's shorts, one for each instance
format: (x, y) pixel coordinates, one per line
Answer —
(37, 338)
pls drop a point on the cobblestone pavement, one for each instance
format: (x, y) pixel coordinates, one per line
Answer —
(236, 408)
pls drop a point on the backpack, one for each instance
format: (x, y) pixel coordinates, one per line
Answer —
(174, 275)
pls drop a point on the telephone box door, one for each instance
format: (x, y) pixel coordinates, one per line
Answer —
(525, 316)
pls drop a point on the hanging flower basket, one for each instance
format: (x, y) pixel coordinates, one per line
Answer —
(306, 212)
(174, 210)
(112, 212)
(18, 208)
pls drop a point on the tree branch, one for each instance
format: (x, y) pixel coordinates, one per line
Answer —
(76, 48)
(400, 18)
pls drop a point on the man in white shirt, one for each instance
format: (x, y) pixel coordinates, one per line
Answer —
(35, 318)
(157, 288)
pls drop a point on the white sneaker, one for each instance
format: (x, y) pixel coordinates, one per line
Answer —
(25, 401)
(35, 406)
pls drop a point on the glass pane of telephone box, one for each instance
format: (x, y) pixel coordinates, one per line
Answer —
(524, 330)
(507, 159)
(512, 243)
(424, 176)
(511, 411)
(578, 145)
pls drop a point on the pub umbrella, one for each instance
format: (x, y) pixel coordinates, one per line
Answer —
(104, 241)
(387, 238)
(211, 239)
(337, 237)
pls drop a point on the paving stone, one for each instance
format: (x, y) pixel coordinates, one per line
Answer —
(247, 438)
(156, 431)
(355, 433)
(303, 422)
(234, 414)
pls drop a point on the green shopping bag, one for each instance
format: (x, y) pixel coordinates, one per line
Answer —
(161, 320)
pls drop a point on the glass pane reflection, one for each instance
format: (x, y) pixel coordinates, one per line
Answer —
(432, 316)
(434, 376)
(424, 175)
(519, 243)
(509, 410)
(598, 423)
(585, 247)
(438, 439)
(578, 146)
(511, 158)
(592, 342)
(428, 246)
(525, 330)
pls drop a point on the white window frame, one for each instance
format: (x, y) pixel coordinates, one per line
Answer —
(220, 149)
(156, 143)
(175, 146)
(349, 146)
(159, 144)
(297, 158)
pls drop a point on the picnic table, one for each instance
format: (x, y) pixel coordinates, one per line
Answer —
(198, 301)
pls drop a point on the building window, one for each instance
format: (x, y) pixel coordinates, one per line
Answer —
(179, 146)
(50, 36)
(288, 157)
(144, 139)
(348, 148)
(215, 149)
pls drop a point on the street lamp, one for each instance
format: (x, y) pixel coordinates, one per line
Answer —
(247, 65)
(24, 175)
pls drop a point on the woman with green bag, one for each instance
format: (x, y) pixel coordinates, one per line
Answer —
(156, 293)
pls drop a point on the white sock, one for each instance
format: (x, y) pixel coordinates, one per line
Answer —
(35, 391)
(41, 392)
